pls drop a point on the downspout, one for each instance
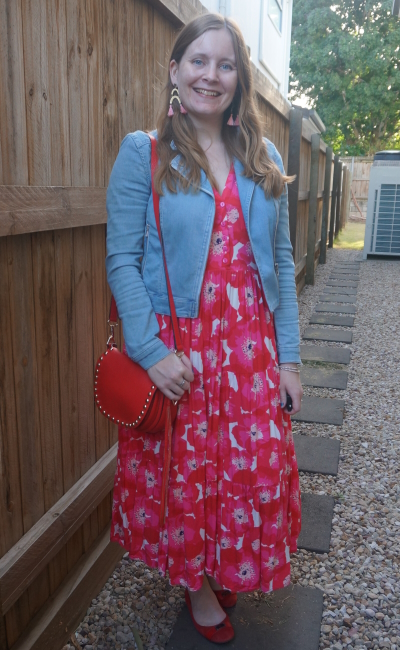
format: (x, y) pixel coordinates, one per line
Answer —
(222, 7)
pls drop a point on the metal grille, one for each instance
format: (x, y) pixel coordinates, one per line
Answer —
(388, 222)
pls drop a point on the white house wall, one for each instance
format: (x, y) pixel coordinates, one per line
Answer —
(269, 49)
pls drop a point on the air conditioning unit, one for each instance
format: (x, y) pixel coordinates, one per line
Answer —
(382, 231)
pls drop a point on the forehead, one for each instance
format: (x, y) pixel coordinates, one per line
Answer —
(217, 43)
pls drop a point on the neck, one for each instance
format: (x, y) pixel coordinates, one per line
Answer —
(209, 130)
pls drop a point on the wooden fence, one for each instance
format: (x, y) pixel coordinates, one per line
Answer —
(361, 169)
(75, 77)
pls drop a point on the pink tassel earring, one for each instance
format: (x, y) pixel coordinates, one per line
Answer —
(175, 95)
(232, 122)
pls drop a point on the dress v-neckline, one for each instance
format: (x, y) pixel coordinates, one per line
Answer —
(220, 195)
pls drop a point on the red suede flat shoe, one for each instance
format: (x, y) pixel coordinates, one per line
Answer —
(221, 633)
(226, 598)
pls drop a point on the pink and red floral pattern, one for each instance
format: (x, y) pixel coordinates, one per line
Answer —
(233, 499)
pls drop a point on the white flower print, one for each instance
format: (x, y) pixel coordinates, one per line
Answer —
(240, 516)
(226, 542)
(288, 469)
(217, 243)
(272, 562)
(178, 494)
(197, 561)
(232, 215)
(118, 530)
(192, 464)
(249, 250)
(240, 462)
(258, 384)
(286, 581)
(165, 537)
(279, 519)
(295, 498)
(212, 357)
(255, 544)
(246, 571)
(248, 348)
(226, 406)
(218, 378)
(114, 505)
(220, 434)
(154, 548)
(275, 400)
(133, 465)
(147, 444)
(140, 515)
(209, 291)
(150, 479)
(198, 329)
(124, 494)
(208, 491)
(202, 430)
(170, 561)
(224, 324)
(267, 315)
(219, 486)
(265, 496)
(255, 432)
(249, 296)
(178, 535)
(273, 458)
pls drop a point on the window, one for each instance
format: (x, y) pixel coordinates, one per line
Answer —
(275, 13)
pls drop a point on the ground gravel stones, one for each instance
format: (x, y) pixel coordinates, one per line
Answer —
(360, 576)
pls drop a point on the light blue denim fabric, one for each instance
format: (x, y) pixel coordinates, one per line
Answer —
(134, 261)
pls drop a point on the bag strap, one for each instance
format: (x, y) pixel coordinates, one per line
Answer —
(156, 204)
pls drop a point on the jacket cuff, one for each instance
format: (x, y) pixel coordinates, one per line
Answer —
(289, 356)
(151, 355)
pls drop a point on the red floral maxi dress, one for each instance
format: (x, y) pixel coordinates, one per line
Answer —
(233, 497)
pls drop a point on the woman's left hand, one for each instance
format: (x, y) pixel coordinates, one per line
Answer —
(290, 384)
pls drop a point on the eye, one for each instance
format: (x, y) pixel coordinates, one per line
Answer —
(197, 62)
(226, 66)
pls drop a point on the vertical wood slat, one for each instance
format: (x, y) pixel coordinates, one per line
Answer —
(14, 165)
(338, 199)
(295, 129)
(334, 199)
(37, 99)
(325, 208)
(110, 83)
(312, 207)
(11, 521)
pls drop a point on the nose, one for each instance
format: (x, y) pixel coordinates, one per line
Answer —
(210, 73)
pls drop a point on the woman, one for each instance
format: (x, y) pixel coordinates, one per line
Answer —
(233, 497)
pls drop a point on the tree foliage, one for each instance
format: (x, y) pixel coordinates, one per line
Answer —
(345, 59)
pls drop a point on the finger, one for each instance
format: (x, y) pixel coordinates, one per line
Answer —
(188, 372)
(283, 395)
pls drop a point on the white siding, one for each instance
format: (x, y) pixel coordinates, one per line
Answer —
(269, 49)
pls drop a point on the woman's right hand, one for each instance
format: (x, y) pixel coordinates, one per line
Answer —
(169, 373)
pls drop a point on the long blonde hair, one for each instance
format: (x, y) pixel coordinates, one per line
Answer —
(244, 143)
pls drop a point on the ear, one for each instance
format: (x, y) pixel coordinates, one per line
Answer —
(173, 71)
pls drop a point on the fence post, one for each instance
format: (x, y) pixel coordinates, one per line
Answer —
(325, 206)
(312, 207)
(295, 130)
(339, 199)
(333, 202)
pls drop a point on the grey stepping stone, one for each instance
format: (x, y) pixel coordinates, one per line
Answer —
(321, 410)
(346, 291)
(325, 334)
(323, 377)
(337, 297)
(324, 354)
(331, 319)
(316, 522)
(338, 308)
(342, 283)
(288, 619)
(348, 265)
(317, 455)
(344, 276)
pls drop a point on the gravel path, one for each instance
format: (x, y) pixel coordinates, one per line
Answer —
(360, 577)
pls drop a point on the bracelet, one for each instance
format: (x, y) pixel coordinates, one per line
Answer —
(289, 369)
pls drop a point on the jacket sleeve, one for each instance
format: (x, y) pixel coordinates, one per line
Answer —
(128, 195)
(286, 315)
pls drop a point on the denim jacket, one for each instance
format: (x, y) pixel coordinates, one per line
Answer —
(134, 260)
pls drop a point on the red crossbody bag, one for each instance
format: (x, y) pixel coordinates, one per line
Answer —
(123, 390)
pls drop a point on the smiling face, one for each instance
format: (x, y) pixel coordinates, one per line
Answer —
(206, 75)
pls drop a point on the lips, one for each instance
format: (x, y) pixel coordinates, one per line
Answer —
(207, 93)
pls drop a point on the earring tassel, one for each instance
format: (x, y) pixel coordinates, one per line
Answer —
(183, 110)
(170, 111)
(232, 122)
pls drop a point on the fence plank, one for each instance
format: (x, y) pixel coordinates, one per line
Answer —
(110, 81)
(339, 199)
(334, 199)
(94, 24)
(13, 138)
(313, 207)
(11, 523)
(35, 209)
(34, 20)
(325, 208)
(295, 129)
(24, 562)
